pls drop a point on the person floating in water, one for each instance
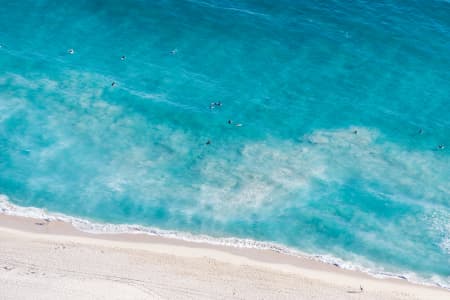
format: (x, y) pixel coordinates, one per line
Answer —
(208, 142)
(441, 147)
(420, 131)
(123, 57)
(214, 104)
(230, 122)
(355, 132)
(71, 51)
(174, 51)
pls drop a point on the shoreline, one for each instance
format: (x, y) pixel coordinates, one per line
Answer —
(323, 277)
(229, 244)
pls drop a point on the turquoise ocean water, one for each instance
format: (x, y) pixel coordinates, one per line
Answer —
(301, 77)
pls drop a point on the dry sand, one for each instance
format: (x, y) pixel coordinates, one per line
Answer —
(52, 260)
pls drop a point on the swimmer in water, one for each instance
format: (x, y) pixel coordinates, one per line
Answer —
(208, 142)
(441, 147)
(230, 122)
(123, 57)
(355, 132)
(174, 51)
(214, 104)
(113, 83)
(420, 131)
(71, 51)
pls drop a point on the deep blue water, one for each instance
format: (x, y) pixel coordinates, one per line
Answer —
(299, 76)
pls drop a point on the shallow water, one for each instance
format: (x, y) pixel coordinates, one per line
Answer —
(300, 77)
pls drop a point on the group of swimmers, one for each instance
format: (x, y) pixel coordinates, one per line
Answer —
(71, 51)
(213, 105)
(440, 146)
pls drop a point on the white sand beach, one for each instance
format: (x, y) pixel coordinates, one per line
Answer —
(53, 260)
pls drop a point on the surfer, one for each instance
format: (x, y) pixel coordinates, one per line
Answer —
(231, 123)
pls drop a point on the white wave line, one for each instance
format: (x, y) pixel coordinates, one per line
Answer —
(7, 208)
